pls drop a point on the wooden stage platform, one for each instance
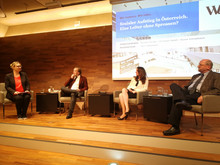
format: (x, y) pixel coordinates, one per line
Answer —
(99, 128)
(130, 126)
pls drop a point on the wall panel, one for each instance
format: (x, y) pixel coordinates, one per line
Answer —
(48, 58)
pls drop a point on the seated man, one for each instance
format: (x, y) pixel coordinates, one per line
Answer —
(205, 83)
(74, 87)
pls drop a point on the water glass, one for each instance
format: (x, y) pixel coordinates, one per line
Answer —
(165, 92)
(159, 91)
(149, 92)
(51, 89)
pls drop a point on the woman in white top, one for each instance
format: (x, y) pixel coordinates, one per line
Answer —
(138, 83)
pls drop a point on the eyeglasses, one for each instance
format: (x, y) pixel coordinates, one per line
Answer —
(202, 64)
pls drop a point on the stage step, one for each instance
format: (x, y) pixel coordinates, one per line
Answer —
(111, 146)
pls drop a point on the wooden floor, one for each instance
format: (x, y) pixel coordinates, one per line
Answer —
(110, 124)
(20, 156)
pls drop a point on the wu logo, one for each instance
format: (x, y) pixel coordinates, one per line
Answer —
(213, 10)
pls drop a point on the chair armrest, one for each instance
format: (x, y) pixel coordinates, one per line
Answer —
(140, 95)
(1, 97)
(211, 104)
(59, 95)
(32, 95)
(85, 95)
(116, 94)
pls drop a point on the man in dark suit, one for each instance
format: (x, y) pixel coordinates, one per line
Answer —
(205, 83)
(74, 87)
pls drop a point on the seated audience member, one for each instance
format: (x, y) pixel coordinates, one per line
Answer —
(138, 83)
(18, 89)
(204, 83)
(74, 87)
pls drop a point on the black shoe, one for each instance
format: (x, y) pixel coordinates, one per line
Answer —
(171, 131)
(68, 116)
(24, 116)
(125, 117)
(127, 113)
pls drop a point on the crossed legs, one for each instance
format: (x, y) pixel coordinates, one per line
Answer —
(123, 98)
(74, 94)
(182, 100)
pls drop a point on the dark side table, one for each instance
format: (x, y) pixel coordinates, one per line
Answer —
(47, 102)
(101, 104)
(157, 108)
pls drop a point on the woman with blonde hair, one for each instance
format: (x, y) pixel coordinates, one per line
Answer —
(138, 83)
(18, 89)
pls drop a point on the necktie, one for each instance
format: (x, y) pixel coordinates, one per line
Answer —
(193, 89)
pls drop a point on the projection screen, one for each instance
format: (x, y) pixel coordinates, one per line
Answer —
(166, 37)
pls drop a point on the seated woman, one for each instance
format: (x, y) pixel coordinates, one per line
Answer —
(18, 89)
(138, 83)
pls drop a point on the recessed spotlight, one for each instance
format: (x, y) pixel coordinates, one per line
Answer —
(113, 163)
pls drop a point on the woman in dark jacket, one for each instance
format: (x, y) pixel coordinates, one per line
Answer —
(18, 89)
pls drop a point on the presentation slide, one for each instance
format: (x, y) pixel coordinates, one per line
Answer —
(168, 40)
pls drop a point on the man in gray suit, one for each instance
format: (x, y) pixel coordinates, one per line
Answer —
(204, 83)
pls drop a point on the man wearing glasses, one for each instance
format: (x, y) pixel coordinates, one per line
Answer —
(206, 82)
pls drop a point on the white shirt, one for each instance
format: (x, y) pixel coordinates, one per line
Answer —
(75, 85)
(139, 87)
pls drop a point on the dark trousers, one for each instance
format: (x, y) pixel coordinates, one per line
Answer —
(180, 94)
(21, 102)
(66, 92)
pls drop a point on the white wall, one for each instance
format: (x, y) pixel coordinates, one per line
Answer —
(3, 30)
(59, 25)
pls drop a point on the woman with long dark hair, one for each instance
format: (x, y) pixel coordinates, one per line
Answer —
(138, 83)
